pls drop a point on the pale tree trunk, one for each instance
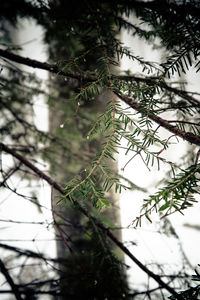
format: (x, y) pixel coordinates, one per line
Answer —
(73, 217)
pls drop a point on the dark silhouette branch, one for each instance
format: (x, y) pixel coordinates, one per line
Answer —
(10, 281)
(133, 295)
(137, 262)
(55, 185)
(9, 174)
(26, 291)
(32, 167)
(27, 253)
(22, 222)
(183, 122)
(44, 66)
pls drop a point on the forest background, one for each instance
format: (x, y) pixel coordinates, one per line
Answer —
(94, 107)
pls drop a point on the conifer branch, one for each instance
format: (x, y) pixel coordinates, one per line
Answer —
(88, 78)
(188, 136)
(55, 185)
(44, 66)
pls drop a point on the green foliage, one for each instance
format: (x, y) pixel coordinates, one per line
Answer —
(84, 46)
(176, 31)
(177, 195)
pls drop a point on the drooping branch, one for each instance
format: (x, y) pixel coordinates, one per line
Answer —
(137, 262)
(188, 136)
(10, 281)
(55, 185)
(32, 167)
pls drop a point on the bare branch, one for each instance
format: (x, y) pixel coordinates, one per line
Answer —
(9, 174)
(10, 281)
(27, 253)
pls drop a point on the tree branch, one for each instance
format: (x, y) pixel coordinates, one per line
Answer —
(151, 81)
(10, 281)
(86, 78)
(137, 262)
(44, 66)
(188, 136)
(55, 185)
(27, 253)
(9, 174)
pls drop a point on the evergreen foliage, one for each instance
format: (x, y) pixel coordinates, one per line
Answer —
(84, 58)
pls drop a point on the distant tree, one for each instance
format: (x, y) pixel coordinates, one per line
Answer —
(84, 54)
